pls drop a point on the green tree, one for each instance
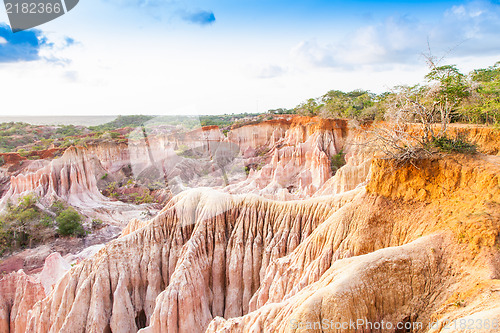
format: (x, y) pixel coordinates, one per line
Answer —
(450, 89)
(69, 223)
(484, 104)
(308, 108)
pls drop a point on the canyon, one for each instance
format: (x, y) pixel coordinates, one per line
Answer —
(278, 226)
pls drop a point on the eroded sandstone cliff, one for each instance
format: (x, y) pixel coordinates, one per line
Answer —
(264, 265)
(412, 244)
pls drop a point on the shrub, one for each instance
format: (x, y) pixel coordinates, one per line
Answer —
(337, 161)
(57, 207)
(69, 223)
(96, 223)
(114, 135)
(23, 224)
(459, 144)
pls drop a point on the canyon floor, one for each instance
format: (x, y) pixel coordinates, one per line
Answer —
(292, 224)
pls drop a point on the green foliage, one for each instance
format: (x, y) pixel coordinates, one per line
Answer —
(27, 201)
(123, 121)
(5, 237)
(23, 152)
(69, 223)
(27, 223)
(225, 120)
(157, 185)
(309, 108)
(114, 135)
(69, 130)
(337, 161)
(96, 223)
(484, 104)
(146, 197)
(459, 144)
(451, 90)
(57, 206)
(450, 96)
(23, 225)
(281, 111)
(356, 104)
(104, 176)
(112, 187)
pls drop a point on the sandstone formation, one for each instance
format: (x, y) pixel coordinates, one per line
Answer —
(262, 265)
(18, 293)
(70, 178)
(413, 244)
(54, 268)
(297, 155)
(115, 289)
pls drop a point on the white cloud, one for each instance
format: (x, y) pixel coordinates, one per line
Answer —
(270, 71)
(465, 30)
(3, 40)
(311, 53)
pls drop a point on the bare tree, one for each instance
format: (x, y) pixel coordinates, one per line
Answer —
(449, 88)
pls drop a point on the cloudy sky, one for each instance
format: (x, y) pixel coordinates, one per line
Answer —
(219, 56)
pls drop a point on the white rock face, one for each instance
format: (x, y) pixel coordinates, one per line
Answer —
(18, 293)
(54, 268)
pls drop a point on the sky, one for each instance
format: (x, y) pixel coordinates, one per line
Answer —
(161, 57)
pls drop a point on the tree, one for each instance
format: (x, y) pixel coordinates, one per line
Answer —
(411, 104)
(356, 104)
(68, 223)
(309, 108)
(449, 89)
(483, 105)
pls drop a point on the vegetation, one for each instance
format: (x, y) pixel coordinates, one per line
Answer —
(459, 144)
(337, 161)
(143, 198)
(69, 223)
(357, 104)
(449, 96)
(69, 130)
(28, 223)
(123, 121)
(132, 191)
(225, 120)
(96, 223)
(442, 101)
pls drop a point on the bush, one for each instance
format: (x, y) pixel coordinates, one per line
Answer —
(57, 206)
(69, 223)
(459, 144)
(23, 224)
(337, 161)
(96, 223)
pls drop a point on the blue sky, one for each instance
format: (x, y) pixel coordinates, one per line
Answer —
(207, 57)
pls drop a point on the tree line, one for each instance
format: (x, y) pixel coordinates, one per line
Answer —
(447, 96)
